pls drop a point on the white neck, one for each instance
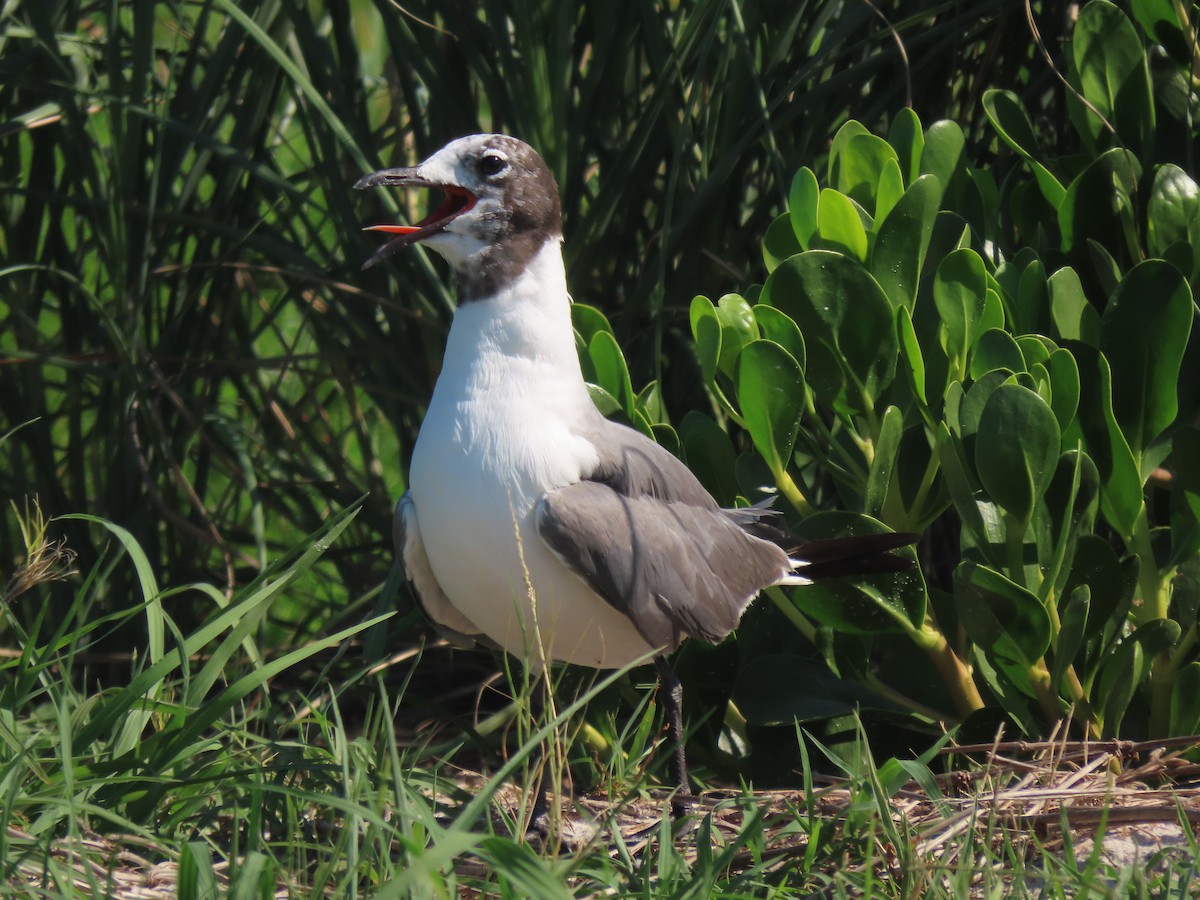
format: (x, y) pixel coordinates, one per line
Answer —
(528, 321)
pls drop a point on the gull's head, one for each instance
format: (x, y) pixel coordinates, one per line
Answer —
(500, 201)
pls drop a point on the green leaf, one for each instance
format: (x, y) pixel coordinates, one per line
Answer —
(902, 239)
(996, 349)
(738, 328)
(706, 332)
(1173, 211)
(846, 321)
(1032, 308)
(1099, 204)
(889, 190)
(1007, 115)
(910, 352)
(710, 455)
(779, 242)
(775, 325)
(1119, 679)
(1160, 20)
(1064, 380)
(881, 604)
(1095, 564)
(960, 294)
(771, 394)
(1144, 332)
(1073, 616)
(803, 200)
(856, 165)
(943, 154)
(1072, 316)
(588, 321)
(1016, 449)
(952, 460)
(908, 140)
(883, 463)
(1068, 510)
(1006, 621)
(840, 226)
(196, 878)
(1097, 427)
(612, 373)
(1112, 74)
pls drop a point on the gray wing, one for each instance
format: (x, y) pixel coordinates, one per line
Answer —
(645, 535)
(410, 550)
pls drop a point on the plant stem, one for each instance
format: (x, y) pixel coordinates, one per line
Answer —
(792, 492)
(954, 673)
(1150, 581)
(793, 615)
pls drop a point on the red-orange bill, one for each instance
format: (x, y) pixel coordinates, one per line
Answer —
(393, 229)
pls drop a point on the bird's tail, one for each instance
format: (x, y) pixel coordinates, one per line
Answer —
(860, 554)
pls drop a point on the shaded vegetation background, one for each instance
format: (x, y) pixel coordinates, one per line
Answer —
(189, 347)
(190, 352)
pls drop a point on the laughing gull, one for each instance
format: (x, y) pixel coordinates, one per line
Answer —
(531, 521)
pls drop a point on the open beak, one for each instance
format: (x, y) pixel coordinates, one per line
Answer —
(457, 200)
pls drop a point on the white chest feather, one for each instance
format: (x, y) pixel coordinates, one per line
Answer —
(501, 430)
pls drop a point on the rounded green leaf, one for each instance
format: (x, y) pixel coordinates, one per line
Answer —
(840, 225)
(996, 349)
(1144, 332)
(889, 190)
(1173, 211)
(738, 328)
(881, 604)
(779, 242)
(612, 373)
(1099, 204)
(803, 199)
(960, 294)
(1006, 621)
(710, 455)
(771, 395)
(1007, 115)
(1016, 449)
(775, 325)
(588, 321)
(847, 325)
(1072, 316)
(908, 140)
(1119, 680)
(883, 463)
(1064, 381)
(902, 239)
(856, 166)
(943, 154)
(1073, 617)
(706, 332)
(1112, 74)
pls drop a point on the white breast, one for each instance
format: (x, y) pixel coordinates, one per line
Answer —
(502, 429)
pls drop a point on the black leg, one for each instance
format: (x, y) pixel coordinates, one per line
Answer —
(539, 819)
(672, 693)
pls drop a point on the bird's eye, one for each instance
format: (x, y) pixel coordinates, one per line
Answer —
(492, 164)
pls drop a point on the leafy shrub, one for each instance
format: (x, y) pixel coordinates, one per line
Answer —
(1010, 365)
